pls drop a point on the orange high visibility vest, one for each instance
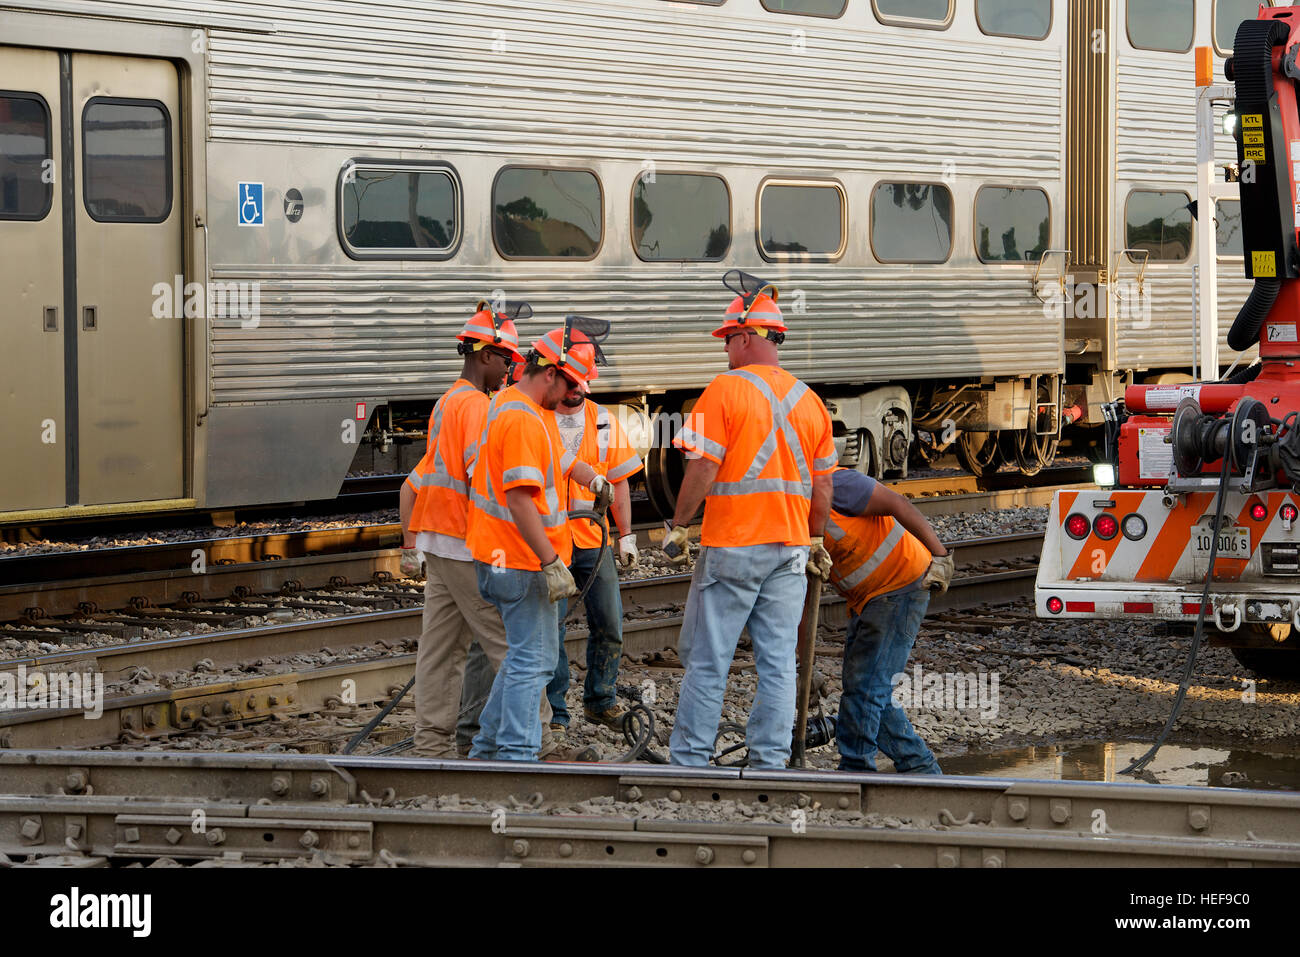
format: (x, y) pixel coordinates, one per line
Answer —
(873, 555)
(520, 448)
(441, 479)
(605, 448)
(770, 435)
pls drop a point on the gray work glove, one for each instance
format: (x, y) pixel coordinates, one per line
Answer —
(412, 562)
(939, 575)
(559, 580)
(604, 491)
(628, 556)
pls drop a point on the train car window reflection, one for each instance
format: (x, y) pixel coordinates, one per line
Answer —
(917, 13)
(1159, 222)
(1228, 15)
(1011, 224)
(1031, 19)
(681, 216)
(1161, 24)
(800, 221)
(127, 167)
(399, 209)
(547, 213)
(1227, 229)
(911, 222)
(807, 8)
(26, 160)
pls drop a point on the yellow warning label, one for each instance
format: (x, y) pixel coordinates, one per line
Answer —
(1263, 265)
(1255, 154)
(1253, 137)
(1252, 119)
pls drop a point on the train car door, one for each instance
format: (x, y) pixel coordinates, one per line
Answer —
(126, 140)
(33, 429)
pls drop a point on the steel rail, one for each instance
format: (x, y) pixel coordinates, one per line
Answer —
(272, 807)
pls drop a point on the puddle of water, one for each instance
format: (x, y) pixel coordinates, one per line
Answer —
(1104, 760)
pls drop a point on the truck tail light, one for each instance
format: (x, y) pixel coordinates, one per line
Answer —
(1055, 605)
(1078, 526)
(1106, 527)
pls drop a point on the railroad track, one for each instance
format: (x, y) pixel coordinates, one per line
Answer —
(373, 651)
(78, 806)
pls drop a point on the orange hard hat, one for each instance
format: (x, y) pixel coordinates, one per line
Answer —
(494, 328)
(577, 363)
(753, 308)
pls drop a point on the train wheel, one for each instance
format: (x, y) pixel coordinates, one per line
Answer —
(978, 452)
(664, 467)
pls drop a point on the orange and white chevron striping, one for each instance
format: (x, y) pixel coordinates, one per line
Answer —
(1124, 553)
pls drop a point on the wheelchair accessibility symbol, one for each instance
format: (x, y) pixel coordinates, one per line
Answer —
(250, 204)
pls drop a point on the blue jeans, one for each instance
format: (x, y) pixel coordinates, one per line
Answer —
(761, 586)
(877, 646)
(510, 727)
(604, 636)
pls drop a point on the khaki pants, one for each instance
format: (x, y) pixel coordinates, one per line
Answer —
(455, 614)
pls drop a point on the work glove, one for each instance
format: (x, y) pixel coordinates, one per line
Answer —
(939, 574)
(412, 563)
(819, 560)
(628, 556)
(604, 491)
(674, 545)
(559, 580)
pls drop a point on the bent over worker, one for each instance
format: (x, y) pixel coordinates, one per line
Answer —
(886, 559)
(434, 514)
(519, 534)
(595, 437)
(764, 453)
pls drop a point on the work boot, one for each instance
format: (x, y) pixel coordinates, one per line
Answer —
(553, 742)
(611, 717)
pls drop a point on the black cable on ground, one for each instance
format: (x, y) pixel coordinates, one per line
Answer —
(639, 739)
(1141, 763)
(374, 722)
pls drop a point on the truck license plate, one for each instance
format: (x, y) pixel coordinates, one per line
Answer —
(1234, 542)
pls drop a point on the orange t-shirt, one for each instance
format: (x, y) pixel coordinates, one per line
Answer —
(770, 435)
(520, 448)
(441, 479)
(603, 446)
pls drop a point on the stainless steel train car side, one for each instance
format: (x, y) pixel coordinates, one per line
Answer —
(275, 107)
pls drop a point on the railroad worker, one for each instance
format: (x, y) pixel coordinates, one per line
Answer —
(763, 454)
(886, 559)
(595, 437)
(434, 514)
(519, 534)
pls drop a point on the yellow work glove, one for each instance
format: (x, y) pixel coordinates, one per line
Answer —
(559, 580)
(675, 546)
(819, 560)
(939, 574)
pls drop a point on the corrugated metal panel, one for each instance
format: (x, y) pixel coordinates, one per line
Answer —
(323, 336)
(1089, 132)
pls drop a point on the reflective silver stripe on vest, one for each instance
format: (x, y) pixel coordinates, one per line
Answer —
(781, 409)
(825, 464)
(439, 467)
(876, 559)
(624, 468)
(834, 530)
(701, 443)
(523, 473)
(489, 505)
(471, 453)
(566, 461)
(434, 480)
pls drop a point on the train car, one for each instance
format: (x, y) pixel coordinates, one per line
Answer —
(237, 238)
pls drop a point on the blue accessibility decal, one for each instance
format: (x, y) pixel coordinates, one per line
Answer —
(251, 209)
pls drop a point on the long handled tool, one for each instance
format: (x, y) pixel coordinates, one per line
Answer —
(804, 653)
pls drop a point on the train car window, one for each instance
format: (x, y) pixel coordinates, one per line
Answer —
(1159, 222)
(26, 176)
(127, 160)
(807, 8)
(680, 217)
(932, 14)
(801, 221)
(1161, 24)
(1228, 15)
(540, 213)
(1011, 224)
(1227, 229)
(911, 223)
(1031, 19)
(399, 212)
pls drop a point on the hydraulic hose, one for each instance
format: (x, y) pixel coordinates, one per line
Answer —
(1245, 328)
